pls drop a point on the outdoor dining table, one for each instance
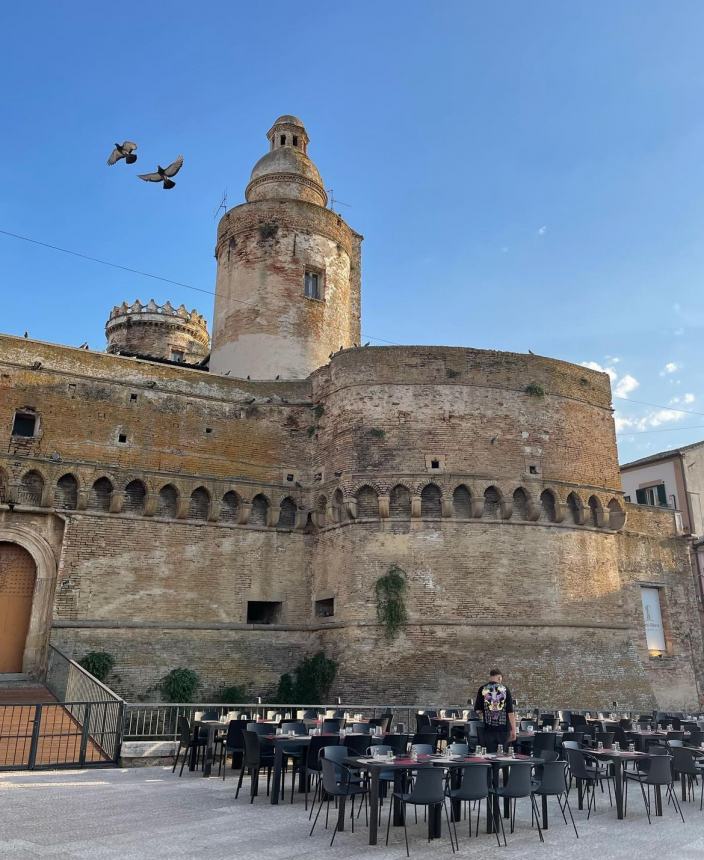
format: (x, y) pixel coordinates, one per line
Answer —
(400, 765)
(619, 759)
(498, 762)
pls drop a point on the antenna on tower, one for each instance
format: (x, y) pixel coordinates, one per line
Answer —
(333, 201)
(223, 205)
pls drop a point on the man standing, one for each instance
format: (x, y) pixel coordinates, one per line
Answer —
(494, 705)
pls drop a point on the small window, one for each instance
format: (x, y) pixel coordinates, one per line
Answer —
(655, 495)
(325, 608)
(295, 140)
(533, 470)
(25, 424)
(290, 477)
(263, 611)
(283, 139)
(312, 285)
(208, 429)
(177, 355)
(122, 438)
(627, 498)
(133, 398)
(435, 464)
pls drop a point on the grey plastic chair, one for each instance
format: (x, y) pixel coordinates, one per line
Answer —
(338, 781)
(518, 785)
(422, 749)
(458, 749)
(474, 787)
(428, 790)
(550, 780)
(658, 772)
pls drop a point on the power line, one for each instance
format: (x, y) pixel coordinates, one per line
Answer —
(659, 406)
(143, 274)
(661, 430)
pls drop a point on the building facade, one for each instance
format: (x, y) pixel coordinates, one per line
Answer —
(237, 518)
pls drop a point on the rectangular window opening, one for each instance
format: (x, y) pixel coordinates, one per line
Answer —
(122, 438)
(177, 355)
(435, 464)
(325, 608)
(533, 470)
(312, 285)
(655, 495)
(133, 398)
(295, 140)
(208, 429)
(25, 424)
(263, 611)
(652, 619)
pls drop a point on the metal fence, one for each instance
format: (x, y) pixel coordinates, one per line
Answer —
(82, 728)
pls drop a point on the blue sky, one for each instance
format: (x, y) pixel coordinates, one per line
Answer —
(526, 175)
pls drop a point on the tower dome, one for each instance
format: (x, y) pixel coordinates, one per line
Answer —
(160, 332)
(286, 172)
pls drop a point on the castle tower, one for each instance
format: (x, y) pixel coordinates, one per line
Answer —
(288, 269)
(157, 331)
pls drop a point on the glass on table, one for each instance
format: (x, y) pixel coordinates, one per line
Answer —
(617, 746)
(500, 749)
(631, 748)
(511, 752)
(600, 746)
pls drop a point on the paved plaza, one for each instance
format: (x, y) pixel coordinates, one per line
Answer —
(150, 813)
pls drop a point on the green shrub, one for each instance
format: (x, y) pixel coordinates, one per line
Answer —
(312, 682)
(179, 685)
(234, 694)
(535, 389)
(377, 433)
(319, 410)
(390, 600)
(98, 663)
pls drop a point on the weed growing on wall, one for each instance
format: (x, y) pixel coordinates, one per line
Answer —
(391, 591)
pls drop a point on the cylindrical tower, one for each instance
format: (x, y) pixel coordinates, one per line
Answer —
(288, 277)
(157, 331)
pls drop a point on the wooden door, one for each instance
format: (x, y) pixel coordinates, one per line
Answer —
(17, 577)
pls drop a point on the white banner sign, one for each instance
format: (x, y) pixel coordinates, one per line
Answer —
(654, 633)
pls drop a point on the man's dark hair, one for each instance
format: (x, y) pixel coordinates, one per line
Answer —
(495, 672)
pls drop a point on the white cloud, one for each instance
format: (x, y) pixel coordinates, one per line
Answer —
(670, 367)
(594, 365)
(626, 385)
(688, 398)
(612, 359)
(542, 230)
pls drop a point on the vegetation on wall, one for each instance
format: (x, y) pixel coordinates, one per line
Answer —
(179, 685)
(535, 389)
(319, 410)
(98, 663)
(310, 682)
(377, 432)
(232, 694)
(391, 591)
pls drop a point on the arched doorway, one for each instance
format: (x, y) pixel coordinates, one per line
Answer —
(18, 573)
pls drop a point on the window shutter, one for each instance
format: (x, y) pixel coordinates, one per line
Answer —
(640, 497)
(662, 497)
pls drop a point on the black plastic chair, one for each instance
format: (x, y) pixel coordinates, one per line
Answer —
(357, 744)
(518, 785)
(361, 728)
(589, 772)
(473, 788)
(255, 758)
(685, 762)
(313, 767)
(657, 771)
(338, 781)
(605, 738)
(398, 743)
(186, 742)
(428, 790)
(260, 728)
(543, 744)
(550, 780)
(331, 725)
(423, 723)
(233, 744)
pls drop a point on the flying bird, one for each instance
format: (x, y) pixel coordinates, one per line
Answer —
(164, 174)
(123, 150)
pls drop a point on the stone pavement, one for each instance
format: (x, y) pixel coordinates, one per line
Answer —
(150, 813)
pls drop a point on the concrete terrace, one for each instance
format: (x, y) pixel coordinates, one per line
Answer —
(150, 813)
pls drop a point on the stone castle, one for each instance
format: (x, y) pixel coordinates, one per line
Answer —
(230, 507)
